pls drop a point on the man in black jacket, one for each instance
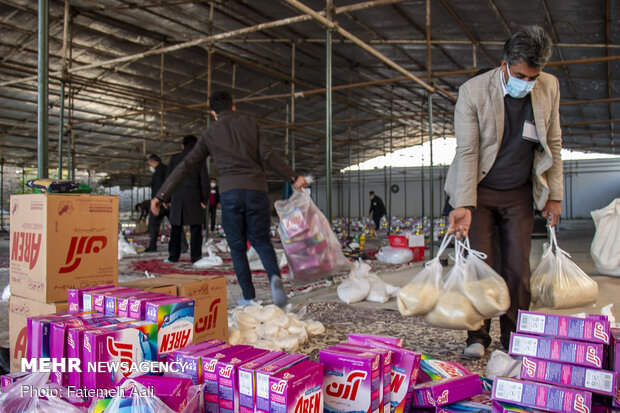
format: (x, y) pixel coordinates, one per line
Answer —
(187, 205)
(159, 175)
(377, 209)
(241, 153)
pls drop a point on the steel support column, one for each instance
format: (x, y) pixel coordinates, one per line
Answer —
(432, 182)
(42, 90)
(2, 194)
(61, 120)
(292, 120)
(328, 123)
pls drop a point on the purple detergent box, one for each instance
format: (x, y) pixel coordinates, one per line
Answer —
(247, 380)
(228, 378)
(137, 305)
(175, 323)
(75, 338)
(364, 339)
(177, 355)
(192, 362)
(112, 299)
(481, 403)
(352, 381)
(385, 367)
(298, 389)
(554, 349)
(615, 363)
(568, 375)
(405, 367)
(445, 391)
(89, 296)
(264, 374)
(593, 328)
(541, 396)
(113, 353)
(8, 379)
(209, 374)
(170, 390)
(122, 303)
(75, 296)
(503, 407)
(433, 369)
(38, 329)
(99, 296)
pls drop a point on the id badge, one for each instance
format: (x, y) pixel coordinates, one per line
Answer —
(529, 132)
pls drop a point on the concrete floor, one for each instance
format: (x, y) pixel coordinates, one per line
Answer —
(574, 237)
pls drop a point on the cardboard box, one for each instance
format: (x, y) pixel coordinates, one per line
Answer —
(62, 241)
(19, 310)
(210, 311)
(157, 285)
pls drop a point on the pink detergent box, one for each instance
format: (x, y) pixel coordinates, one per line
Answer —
(111, 300)
(297, 389)
(481, 403)
(592, 328)
(352, 381)
(264, 373)
(175, 323)
(192, 362)
(541, 396)
(75, 295)
(405, 367)
(553, 349)
(615, 363)
(433, 369)
(385, 367)
(99, 296)
(170, 390)
(247, 380)
(75, 338)
(89, 296)
(177, 355)
(128, 344)
(363, 340)
(228, 378)
(209, 374)
(122, 303)
(445, 391)
(38, 330)
(137, 305)
(568, 375)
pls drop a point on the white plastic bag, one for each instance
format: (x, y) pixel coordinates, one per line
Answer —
(223, 246)
(502, 365)
(453, 309)
(125, 249)
(566, 285)
(486, 290)
(356, 287)
(311, 247)
(135, 391)
(380, 291)
(257, 265)
(420, 295)
(392, 255)
(605, 249)
(211, 260)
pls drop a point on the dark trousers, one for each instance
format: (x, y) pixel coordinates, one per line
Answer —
(377, 219)
(154, 224)
(507, 217)
(177, 240)
(212, 214)
(245, 217)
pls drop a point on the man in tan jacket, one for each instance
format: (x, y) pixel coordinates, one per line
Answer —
(507, 161)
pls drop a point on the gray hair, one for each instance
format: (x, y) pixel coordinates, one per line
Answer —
(531, 45)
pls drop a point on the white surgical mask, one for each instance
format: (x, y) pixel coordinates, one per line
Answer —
(212, 185)
(152, 169)
(518, 88)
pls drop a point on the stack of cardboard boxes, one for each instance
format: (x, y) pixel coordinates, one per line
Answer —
(57, 242)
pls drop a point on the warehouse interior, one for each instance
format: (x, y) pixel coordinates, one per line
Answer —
(90, 88)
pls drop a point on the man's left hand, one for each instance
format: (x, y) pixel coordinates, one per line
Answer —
(552, 211)
(300, 183)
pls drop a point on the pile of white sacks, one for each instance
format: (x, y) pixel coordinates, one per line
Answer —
(270, 327)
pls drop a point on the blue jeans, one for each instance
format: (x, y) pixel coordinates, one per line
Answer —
(246, 217)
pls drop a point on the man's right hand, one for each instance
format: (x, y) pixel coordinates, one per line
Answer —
(300, 183)
(155, 204)
(460, 221)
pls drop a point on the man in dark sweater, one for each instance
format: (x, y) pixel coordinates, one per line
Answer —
(507, 160)
(377, 209)
(159, 175)
(241, 153)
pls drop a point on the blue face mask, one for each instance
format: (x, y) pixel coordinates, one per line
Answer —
(518, 88)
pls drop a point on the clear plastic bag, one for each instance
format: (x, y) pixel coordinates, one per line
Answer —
(541, 273)
(392, 255)
(125, 249)
(211, 260)
(605, 249)
(485, 288)
(13, 400)
(502, 365)
(131, 397)
(419, 296)
(311, 247)
(453, 309)
(566, 285)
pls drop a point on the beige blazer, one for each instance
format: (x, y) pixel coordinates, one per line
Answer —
(479, 128)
